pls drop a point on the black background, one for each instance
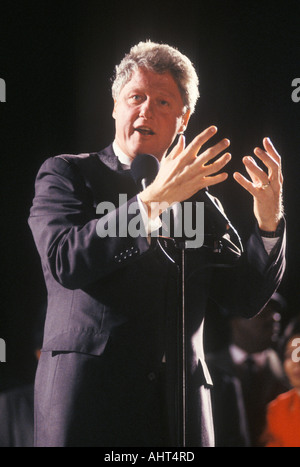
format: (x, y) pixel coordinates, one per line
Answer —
(57, 59)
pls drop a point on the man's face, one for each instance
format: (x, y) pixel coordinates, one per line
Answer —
(148, 114)
(292, 363)
(260, 332)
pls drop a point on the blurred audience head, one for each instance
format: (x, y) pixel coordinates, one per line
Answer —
(261, 332)
(38, 330)
(289, 351)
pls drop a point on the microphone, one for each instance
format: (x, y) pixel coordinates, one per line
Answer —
(144, 169)
(215, 219)
(217, 224)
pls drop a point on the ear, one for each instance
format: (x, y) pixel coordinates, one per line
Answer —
(185, 120)
(114, 109)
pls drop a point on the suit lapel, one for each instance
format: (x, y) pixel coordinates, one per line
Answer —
(115, 179)
(108, 157)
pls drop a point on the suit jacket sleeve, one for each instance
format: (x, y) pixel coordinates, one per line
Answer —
(64, 225)
(245, 288)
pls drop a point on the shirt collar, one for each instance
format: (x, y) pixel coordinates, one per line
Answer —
(239, 356)
(123, 158)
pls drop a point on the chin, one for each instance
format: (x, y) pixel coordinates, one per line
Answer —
(144, 150)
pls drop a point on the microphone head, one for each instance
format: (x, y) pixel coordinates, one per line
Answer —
(144, 166)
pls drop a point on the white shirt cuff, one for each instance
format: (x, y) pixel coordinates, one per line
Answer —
(150, 224)
(269, 243)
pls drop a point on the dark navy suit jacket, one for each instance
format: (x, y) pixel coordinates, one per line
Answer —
(114, 301)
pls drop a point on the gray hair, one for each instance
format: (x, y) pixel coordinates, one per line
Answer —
(159, 58)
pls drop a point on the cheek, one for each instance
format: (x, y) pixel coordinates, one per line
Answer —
(287, 366)
(170, 127)
(123, 115)
(123, 122)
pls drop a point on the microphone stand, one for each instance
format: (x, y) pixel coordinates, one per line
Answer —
(181, 323)
(144, 169)
(181, 362)
(182, 370)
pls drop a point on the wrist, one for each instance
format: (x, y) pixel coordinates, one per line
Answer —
(271, 224)
(154, 208)
(267, 232)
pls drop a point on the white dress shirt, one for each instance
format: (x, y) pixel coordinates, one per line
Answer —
(239, 356)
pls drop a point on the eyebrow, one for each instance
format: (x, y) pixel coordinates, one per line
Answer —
(164, 93)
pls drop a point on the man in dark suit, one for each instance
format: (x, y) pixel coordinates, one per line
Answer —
(251, 358)
(17, 403)
(108, 372)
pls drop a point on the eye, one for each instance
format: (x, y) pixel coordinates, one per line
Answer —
(164, 103)
(136, 98)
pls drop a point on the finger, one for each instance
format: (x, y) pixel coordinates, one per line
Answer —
(217, 165)
(215, 179)
(269, 147)
(272, 165)
(258, 176)
(212, 152)
(244, 183)
(194, 147)
(181, 142)
(178, 148)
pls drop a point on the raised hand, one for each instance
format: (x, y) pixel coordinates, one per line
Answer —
(265, 186)
(183, 172)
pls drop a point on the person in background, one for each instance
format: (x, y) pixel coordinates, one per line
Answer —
(251, 364)
(17, 403)
(283, 413)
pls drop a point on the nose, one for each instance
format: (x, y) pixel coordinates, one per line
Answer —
(146, 109)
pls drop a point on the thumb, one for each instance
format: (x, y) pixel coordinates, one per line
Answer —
(180, 146)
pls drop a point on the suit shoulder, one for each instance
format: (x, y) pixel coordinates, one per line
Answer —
(84, 164)
(65, 162)
(69, 158)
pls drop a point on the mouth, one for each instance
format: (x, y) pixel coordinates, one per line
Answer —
(144, 130)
